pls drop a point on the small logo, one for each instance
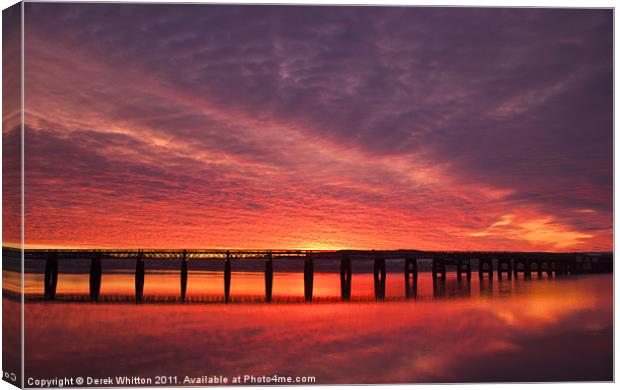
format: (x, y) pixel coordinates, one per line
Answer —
(9, 376)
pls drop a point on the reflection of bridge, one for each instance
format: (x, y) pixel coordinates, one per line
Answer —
(506, 264)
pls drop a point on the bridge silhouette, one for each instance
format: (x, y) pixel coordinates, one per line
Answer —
(503, 264)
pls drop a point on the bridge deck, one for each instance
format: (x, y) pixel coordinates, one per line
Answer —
(206, 254)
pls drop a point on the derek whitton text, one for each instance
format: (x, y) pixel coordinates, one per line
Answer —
(169, 380)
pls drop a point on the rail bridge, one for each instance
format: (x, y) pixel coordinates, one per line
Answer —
(503, 264)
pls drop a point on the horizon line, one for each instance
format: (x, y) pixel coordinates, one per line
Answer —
(275, 250)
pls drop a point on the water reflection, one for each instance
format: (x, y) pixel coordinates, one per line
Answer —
(451, 288)
(249, 286)
(210, 286)
(509, 330)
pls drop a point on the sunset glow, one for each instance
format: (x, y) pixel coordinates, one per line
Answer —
(316, 128)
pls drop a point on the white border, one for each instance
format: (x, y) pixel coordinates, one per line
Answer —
(478, 3)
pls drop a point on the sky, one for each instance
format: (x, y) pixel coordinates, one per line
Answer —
(204, 126)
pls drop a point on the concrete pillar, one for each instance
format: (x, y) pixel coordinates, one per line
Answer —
(527, 273)
(463, 266)
(183, 275)
(95, 277)
(539, 270)
(268, 277)
(439, 268)
(501, 262)
(140, 269)
(411, 277)
(562, 267)
(379, 275)
(549, 269)
(227, 276)
(528, 269)
(488, 262)
(308, 277)
(556, 267)
(586, 266)
(576, 264)
(345, 277)
(50, 281)
(570, 267)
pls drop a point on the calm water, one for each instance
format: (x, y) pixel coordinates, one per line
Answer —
(513, 330)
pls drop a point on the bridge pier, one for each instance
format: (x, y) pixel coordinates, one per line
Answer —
(549, 269)
(308, 277)
(227, 277)
(439, 267)
(580, 265)
(528, 269)
(268, 277)
(345, 277)
(539, 269)
(572, 266)
(488, 262)
(527, 272)
(183, 276)
(95, 277)
(584, 266)
(411, 277)
(139, 279)
(50, 281)
(463, 266)
(553, 265)
(379, 275)
(501, 262)
(565, 266)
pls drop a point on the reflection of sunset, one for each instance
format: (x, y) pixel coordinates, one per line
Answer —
(536, 300)
(405, 341)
